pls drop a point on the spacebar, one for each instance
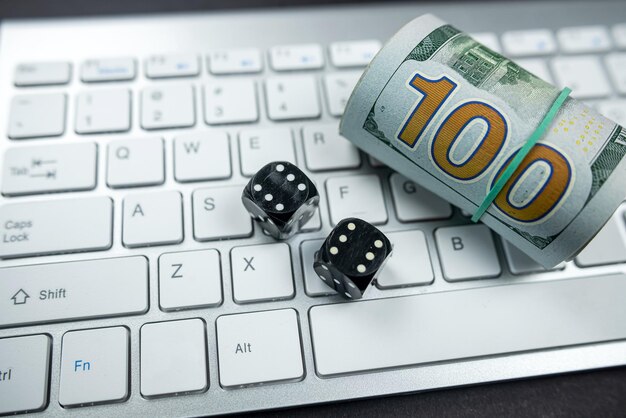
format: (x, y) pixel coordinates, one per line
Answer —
(384, 333)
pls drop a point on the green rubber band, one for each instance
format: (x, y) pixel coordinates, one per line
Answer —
(521, 154)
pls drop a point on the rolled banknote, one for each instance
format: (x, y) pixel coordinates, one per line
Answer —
(451, 114)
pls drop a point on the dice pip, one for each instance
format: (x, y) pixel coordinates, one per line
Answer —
(281, 198)
(351, 257)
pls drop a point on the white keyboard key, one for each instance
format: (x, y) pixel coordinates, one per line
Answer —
(173, 358)
(25, 369)
(170, 66)
(101, 111)
(614, 110)
(616, 64)
(520, 263)
(325, 149)
(537, 66)
(261, 146)
(135, 162)
(168, 106)
(409, 264)
(619, 35)
(529, 42)
(190, 279)
(42, 73)
(353, 53)
(356, 196)
(202, 156)
(49, 168)
(94, 366)
(55, 226)
(414, 203)
(235, 61)
(261, 272)
(607, 247)
(583, 74)
(490, 40)
(467, 252)
(338, 88)
(73, 290)
(152, 219)
(297, 57)
(107, 69)
(230, 101)
(218, 213)
(259, 347)
(313, 285)
(37, 115)
(292, 97)
(584, 39)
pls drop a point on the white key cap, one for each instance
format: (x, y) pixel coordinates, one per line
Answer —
(259, 347)
(135, 162)
(520, 263)
(37, 115)
(584, 39)
(94, 366)
(170, 66)
(467, 252)
(619, 35)
(446, 326)
(202, 156)
(55, 226)
(353, 53)
(101, 111)
(607, 247)
(42, 73)
(292, 97)
(190, 279)
(260, 146)
(173, 358)
(313, 285)
(235, 61)
(529, 42)
(297, 57)
(338, 88)
(325, 149)
(583, 74)
(108, 69)
(537, 66)
(73, 290)
(261, 272)
(168, 106)
(614, 110)
(414, 203)
(356, 196)
(152, 219)
(409, 264)
(218, 213)
(49, 168)
(24, 372)
(490, 40)
(230, 101)
(616, 64)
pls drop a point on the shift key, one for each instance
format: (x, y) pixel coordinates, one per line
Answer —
(55, 226)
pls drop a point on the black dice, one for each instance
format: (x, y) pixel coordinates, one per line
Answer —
(351, 257)
(281, 198)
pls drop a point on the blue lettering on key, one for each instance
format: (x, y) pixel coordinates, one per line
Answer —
(80, 365)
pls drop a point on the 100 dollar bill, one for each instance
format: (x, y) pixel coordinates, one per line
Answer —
(449, 113)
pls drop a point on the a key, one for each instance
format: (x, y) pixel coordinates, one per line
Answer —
(170, 66)
(353, 53)
(73, 290)
(537, 66)
(260, 146)
(202, 156)
(37, 115)
(235, 61)
(218, 214)
(259, 347)
(584, 39)
(619, 35)
(261, 272)
(467, 252)
(607, 247)
(230, 101)
(49, 168)
(24, 373)
(42, 73)
(414, 203)
(94, 366)
(292, 97)
(55, 226)
(108, 69)
(135, 162)
(338, 88)
(152, 219)
(616, 63)
(297, 57)
(614, 110)
(325, 149)
(312, 283)
(529, 42)
(520, 263)
(583, 74)
(173, 358)
(102, 111)
(168, 106)
(358, 196)
(409, 264)
(490, 40)
(190, 279)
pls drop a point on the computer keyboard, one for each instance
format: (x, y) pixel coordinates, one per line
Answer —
(134, 283)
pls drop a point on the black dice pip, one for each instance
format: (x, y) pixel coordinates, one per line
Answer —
(351, 257)
(281, 198)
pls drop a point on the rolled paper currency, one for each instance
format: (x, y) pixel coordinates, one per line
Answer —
(451, 114)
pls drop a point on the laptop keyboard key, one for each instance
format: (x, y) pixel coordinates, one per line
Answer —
(297, 57)
(490, 40)
(414, 203)
(583, 74)
(607, 247)
(537, 66)
(232, 101)
(529, 42)
(168, 106)
(259, 146)
(338, 88)
(235, 61)
(218, 214)
(202, 156)
(170, 66)
(135, 162)
(584, 39)
(102, 111)
(520, 263)
(37, 115)
(616, 63)
(325, 149)
(353, 53)
(152, 219)
(108, 69)
(619, 35)
(292, 97)
(42, 74)
(359, 196)
(409, 264)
